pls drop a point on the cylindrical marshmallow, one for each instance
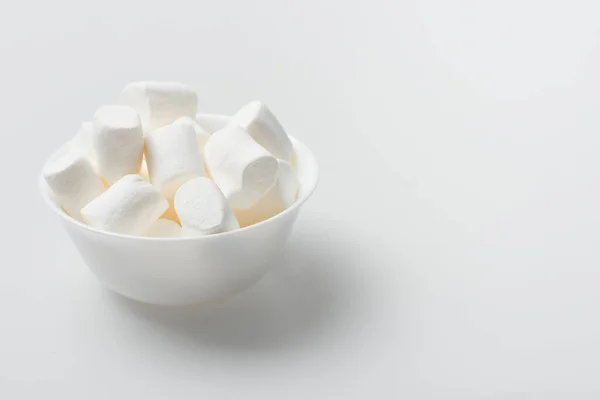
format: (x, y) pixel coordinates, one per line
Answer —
(212, 122)
(118, 142)
(130, 206)
(173, 157)
(73, 180)
(82, 142)
(164, 228)
(159, 103)
(281, 196)
(243, 170)
(256, 118)
(202, 136)
(202, 208)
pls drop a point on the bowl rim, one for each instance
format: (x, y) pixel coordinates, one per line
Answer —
(308, 155)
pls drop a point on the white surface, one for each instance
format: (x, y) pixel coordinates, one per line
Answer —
(473, 129)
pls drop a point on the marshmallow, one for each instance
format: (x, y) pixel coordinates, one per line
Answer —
(72, 179)
(118, 142)
(82, 142)
(159, 103)
(202, 208)
(164, 228)
(212, 122)
(242, 169)
(281, 196)
(261, 124)
(130, 206)
(173, 157)
(202, 136)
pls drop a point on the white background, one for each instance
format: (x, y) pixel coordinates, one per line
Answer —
(452, 247)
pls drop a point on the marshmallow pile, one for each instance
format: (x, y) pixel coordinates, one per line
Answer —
(151, 166)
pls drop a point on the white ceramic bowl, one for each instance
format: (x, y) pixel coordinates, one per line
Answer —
(188, 270)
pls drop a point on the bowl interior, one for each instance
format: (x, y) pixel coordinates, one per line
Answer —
(304, 162)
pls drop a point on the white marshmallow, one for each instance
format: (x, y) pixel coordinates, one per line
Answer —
(82, 142)
(202, 136)
(212, 122)
(159, 103)
(72, 179)
(164, 228)
(173, 157)
(256, 118)
(281, 196)
(202, 208)
(242, 169)
(118, 142)
(130, 206)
